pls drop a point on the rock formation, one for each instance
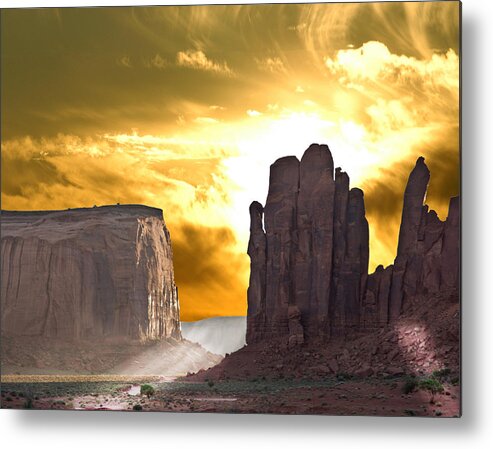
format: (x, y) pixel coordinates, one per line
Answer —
(309, 268)
(99, 273)
(256, 288)
(428, 256)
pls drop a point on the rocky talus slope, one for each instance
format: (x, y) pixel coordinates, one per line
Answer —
(425, 339)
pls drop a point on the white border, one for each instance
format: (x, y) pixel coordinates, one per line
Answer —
(29, 429)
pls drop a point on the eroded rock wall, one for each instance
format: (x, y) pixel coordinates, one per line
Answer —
(309, 267)
(103, 272)
(428, 258)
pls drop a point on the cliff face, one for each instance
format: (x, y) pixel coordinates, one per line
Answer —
(309, 268)
(88, 273)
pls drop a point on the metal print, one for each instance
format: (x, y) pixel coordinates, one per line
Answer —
(236, 209)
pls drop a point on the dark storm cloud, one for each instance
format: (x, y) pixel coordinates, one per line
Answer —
(208, 271)
(63, 73)
(20, 176)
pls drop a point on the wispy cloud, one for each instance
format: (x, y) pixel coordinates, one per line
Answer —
(373, 61)
(253, 113)
(271, 65)
(400, 86)
(124, 61)
(158, 62)
(197, 60)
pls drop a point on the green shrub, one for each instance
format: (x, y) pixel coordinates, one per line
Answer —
(410, 385)
(210, 383)
(344, 376)
(137, 408)
(432, 385)
(441, 373)
(28, 403)
(147, 389)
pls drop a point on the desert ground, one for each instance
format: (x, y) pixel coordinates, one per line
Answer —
(331, 396)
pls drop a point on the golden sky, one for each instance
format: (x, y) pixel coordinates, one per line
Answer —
(185, 108)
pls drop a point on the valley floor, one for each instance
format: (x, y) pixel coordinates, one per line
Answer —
(331, 396)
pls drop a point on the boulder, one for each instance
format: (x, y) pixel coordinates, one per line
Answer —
(296, 334)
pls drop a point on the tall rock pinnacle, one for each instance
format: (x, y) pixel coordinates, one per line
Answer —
(412, 213)
(256, 289)
(315, 231)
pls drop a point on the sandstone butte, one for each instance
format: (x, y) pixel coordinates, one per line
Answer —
(92, 273)
(309, 252)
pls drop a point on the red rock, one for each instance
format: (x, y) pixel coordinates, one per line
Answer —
(395, 371)
(334, 366)
(450, 255)
(322, 369)
(257, 285)
(316, 248)
(314, 234)
(365, 371)
(392, 354)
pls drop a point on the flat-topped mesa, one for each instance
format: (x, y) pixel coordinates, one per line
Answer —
(309, 270)
(98, 273)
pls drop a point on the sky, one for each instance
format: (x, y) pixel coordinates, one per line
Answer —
(185, 108)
